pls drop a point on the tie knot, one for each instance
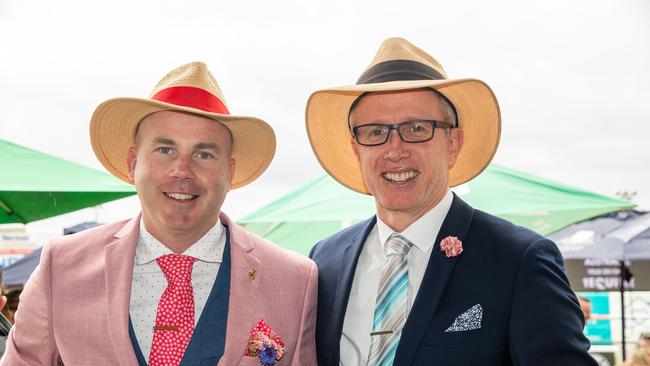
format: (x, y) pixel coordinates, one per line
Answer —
(397, 245)
(176, 267)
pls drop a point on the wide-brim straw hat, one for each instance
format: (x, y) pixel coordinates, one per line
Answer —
(189, 88)
(399, 65)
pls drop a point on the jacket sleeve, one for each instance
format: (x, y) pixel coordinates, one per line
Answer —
(31, 340)
(305, 353)
(546, 325)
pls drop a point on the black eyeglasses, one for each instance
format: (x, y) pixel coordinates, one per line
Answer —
(413, 131)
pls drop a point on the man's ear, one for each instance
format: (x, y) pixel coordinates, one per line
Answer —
(455, 144)
(131, 159)
(231, 169)
(3, 302)
(355, 147)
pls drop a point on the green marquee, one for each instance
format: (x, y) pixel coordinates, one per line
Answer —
(35, 186)
(322, 207)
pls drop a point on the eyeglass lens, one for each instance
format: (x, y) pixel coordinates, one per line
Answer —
(409, 131)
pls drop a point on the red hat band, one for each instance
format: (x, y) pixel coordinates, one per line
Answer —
(192, 97)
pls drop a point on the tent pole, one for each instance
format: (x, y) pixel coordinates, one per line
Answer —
(11, 212)
(622, 291)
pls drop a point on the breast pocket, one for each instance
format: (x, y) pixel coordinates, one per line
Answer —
(467, 336)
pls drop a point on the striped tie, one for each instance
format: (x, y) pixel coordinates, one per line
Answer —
(392, 303)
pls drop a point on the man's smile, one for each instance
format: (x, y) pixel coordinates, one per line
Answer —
(180, 196)
(400, 177)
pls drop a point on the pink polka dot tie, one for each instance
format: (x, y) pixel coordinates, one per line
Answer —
(175, 315)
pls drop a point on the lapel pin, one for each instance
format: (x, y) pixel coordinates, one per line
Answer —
(251, 274)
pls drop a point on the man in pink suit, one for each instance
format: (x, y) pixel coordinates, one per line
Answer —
(180, 283)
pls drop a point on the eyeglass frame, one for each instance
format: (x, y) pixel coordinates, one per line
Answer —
(397, 127)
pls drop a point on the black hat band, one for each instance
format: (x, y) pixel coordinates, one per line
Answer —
(398, 70)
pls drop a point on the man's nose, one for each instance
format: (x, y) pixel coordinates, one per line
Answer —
(395, 151)
(182, 167)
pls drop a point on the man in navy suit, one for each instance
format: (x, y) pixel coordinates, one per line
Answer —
(429, 280)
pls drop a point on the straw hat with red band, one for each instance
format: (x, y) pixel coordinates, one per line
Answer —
(399, 65)
(189, 88)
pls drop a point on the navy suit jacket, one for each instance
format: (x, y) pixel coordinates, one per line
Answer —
(530, 314)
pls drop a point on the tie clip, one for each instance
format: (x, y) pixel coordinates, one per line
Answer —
(165, 327)
(381, 332)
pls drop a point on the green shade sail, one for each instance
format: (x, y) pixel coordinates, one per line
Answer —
(322, 207)
(35, 186)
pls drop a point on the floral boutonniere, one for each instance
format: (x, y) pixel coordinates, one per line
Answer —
(265, 343)
(452, 246)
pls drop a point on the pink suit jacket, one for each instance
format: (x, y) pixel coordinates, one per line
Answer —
(75, 306)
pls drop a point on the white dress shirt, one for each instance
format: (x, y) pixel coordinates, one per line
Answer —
(149, 282)
(359, 315)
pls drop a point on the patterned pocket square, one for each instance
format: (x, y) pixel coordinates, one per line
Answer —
(265, 344)
(469, 320)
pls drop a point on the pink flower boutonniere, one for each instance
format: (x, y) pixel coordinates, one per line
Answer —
(265, 343)
(452, 246)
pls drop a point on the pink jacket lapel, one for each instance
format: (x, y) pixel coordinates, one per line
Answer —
(243, 293)
(118, 268)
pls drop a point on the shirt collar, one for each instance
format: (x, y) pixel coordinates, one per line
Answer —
(207, 249)
(423, 232)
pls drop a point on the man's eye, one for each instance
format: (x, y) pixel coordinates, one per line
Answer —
(375, 132)
(204, 156)
(165, 150)
(418, 129)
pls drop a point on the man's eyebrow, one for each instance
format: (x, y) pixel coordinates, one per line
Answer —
(164, 141)
(206, 146)
(199, 146)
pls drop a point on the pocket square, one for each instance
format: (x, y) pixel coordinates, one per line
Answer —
(469, 320)
(265, 344)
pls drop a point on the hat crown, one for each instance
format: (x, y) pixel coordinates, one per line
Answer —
(194, 75)
(397, 48)
(400, 60)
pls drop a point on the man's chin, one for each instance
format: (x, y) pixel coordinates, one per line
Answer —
(397, 204)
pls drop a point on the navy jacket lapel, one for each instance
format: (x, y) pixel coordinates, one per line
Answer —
(437, 274)
(346, 258)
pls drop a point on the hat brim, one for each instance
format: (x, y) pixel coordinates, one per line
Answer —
(476, 106)
(114, 124)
